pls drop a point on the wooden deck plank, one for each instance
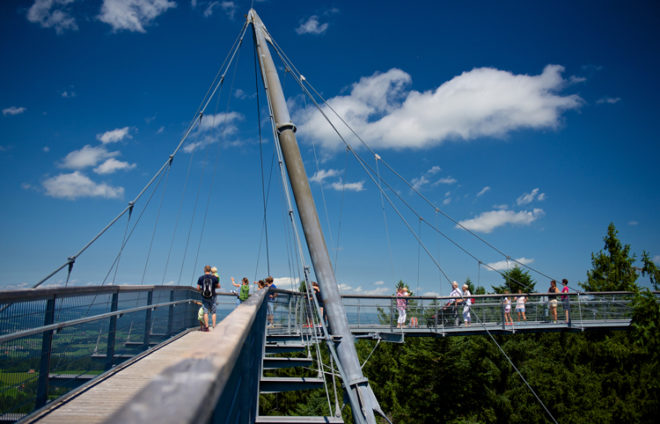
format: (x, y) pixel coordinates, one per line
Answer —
(99, 402)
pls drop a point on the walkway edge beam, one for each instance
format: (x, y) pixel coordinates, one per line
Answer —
(190, 390)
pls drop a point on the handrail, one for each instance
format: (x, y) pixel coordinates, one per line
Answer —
(45, 293)
(70, 323)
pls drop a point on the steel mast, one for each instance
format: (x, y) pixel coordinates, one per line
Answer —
(363, 400)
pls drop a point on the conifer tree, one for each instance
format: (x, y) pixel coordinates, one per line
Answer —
(516, 279)
(612, 268)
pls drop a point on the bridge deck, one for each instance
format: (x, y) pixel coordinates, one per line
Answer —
(102, 399)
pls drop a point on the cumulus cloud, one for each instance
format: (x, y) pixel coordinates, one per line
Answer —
(213, 121)
(506, 265)
(527, 198)
(74, 185)
(114, 136)
(341, 186)
(113, 165)
(52, 14)
(86, 157)
(212, 129)
(320, 175)
(479, 103)
(656, 259)
(67, 94)
(286, 283)
(488, 221)
(132, 15)
(13, 110)
(312, 26)
(633, 223)
(483, 191)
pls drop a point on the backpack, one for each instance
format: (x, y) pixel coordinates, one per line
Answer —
(244, 293)
(207, 287)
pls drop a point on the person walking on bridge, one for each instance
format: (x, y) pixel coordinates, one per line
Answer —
(564, 300)
(553, 300)
(456, 293)
(467, 302)
(207, 285)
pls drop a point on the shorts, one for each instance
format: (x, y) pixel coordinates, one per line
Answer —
(507, 309)
(520, 309)
(271, 308)
(553, 303)
(566, 304)
(209, 305)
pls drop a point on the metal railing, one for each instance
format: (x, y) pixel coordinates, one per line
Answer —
(55, 339)
(52, 340)
(216, 384)
(438, 313)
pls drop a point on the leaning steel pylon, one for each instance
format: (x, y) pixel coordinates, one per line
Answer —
(362, 399)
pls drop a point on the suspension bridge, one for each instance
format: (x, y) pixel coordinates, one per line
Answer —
(128, 354)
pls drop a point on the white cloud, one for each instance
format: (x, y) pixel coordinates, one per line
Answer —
(506, 265)
(286, 283)
(209, 9)
(608, 100)
(112, 165)
(160, 130)
(229, 7)
(52, 14)
(132, 15)
(213, 121)
(527, 198)
(656, 259)
(312, 26)
(341, 186)
(420, 182)
(212, 129)
(483, 102)
(446, 180)
(74, 185)
(85, 157)
(488, 221)
(423, 180)
(633, 223)
(483, 191)
(320, 175)
(67, 94)
(114, 136)
(347, 289)
(46, 149)
(446, 201)
(379, 283)
(432, 294)
(13, 110)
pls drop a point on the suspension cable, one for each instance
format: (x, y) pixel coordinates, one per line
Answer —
(194, 122)
(303, 80)
(415, 235)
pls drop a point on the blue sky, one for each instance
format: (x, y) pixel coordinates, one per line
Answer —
(534, 124)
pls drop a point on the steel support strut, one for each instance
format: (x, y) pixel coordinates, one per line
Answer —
(363, 401)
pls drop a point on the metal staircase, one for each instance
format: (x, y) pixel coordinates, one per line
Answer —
(277, 344)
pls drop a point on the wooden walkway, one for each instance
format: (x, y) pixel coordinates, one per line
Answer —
(104, 398)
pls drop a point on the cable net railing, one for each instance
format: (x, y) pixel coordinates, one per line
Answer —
(54, 340)
(585, 310)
